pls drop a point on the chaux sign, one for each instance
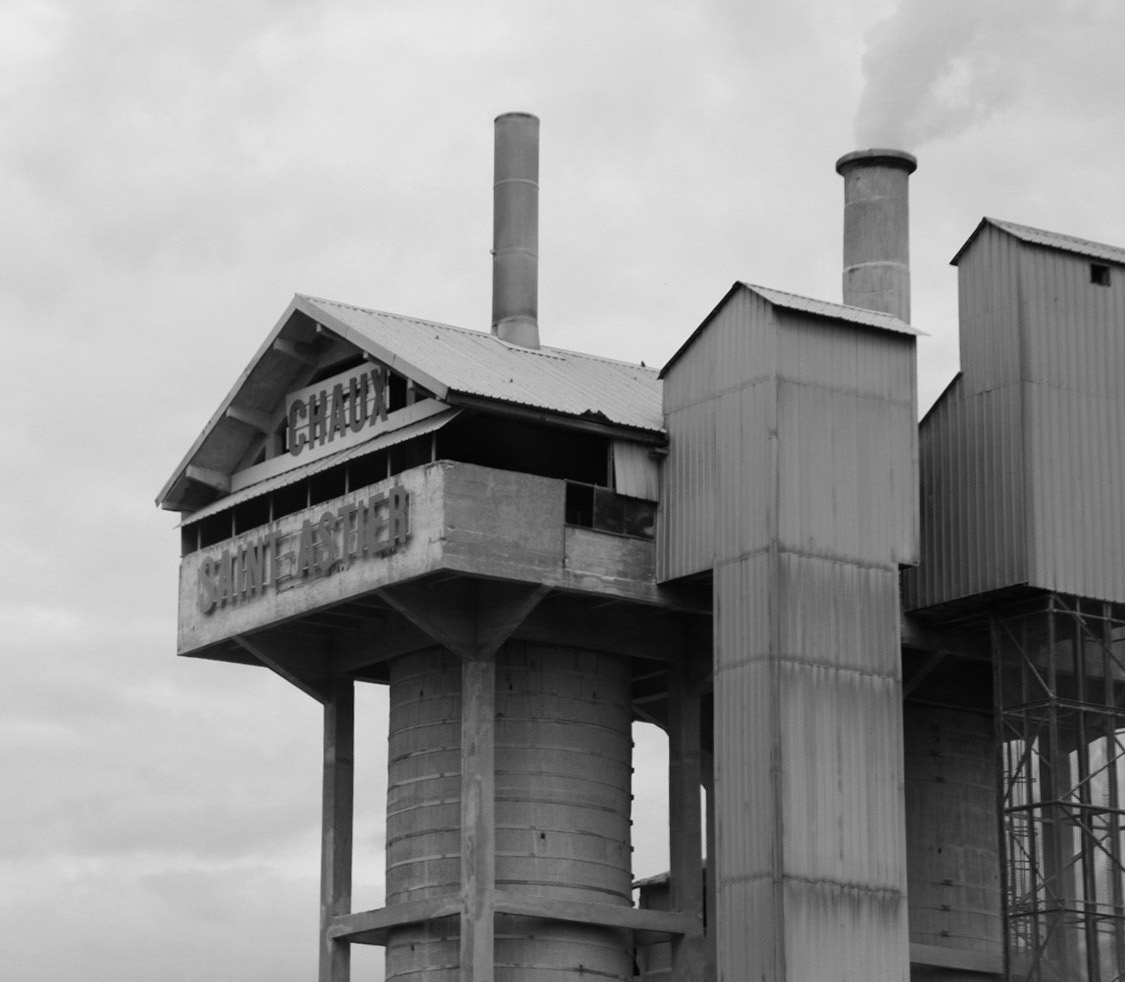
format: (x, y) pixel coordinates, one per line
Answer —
(260, 562)
(334, 410)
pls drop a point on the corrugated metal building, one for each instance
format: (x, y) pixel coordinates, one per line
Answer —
(893, 656)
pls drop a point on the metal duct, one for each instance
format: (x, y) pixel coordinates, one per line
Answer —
(515, 230)
(877, 230)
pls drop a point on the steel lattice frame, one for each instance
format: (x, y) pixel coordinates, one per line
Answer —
(1060, 699)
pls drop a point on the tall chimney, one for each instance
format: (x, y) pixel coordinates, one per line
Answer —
(515, 230)
(877, 230)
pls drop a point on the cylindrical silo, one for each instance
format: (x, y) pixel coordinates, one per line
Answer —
(563, 764)
(877, 230)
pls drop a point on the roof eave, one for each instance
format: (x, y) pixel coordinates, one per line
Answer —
(165, 498)
(535, 414)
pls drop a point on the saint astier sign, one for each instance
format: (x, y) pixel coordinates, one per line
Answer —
(270, 560)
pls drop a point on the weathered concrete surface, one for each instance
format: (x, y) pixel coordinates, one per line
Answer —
(463, 518)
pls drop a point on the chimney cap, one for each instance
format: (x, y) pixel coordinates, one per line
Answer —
(877, 157)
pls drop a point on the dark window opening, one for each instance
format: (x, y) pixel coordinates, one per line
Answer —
(250, 514)
(604, 510)
(1099, 274)
(528, 448)
(412, 453)
(328, 484)
(333, 482)
(215, 528)
(290, 498)
(371, 468)
(580, 505)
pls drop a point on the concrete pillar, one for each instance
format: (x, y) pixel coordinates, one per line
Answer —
(952, 836)
(336, 826)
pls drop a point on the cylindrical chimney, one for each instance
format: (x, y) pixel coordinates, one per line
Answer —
(877, 230)
(515, 230)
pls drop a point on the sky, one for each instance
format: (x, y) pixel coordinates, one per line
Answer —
(171, 173)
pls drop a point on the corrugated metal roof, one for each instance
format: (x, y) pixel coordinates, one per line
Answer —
(455, 364)
(419, 428)
(859, 316)
(478, 364)
(1052, 240)
(837, 311)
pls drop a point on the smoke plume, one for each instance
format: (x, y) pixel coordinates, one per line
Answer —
(934, 69)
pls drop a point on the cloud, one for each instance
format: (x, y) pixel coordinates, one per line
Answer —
(934, 70)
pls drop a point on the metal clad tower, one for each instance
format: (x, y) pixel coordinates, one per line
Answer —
(807, 411)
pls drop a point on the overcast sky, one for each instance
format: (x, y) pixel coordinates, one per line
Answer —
(171, 173)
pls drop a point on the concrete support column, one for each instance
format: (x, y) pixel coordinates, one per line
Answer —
(685, 821)
(478, 818)
(336, 826)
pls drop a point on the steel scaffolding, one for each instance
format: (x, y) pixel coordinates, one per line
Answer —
(1060, 696)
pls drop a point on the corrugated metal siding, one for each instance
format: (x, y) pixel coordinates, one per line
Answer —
(1023, 463)
(807, 481)
(971, 444)
(848, 442)
(746, 748)
(1075, 404)
(972, 497)
(721, 409)
(480, 364)
(808, 756)
(989, 311)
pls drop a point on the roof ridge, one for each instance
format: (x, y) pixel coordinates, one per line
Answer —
(546, 349)
(831, 303)
(1022, 227)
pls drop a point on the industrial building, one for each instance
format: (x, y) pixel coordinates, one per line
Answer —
(891, 654)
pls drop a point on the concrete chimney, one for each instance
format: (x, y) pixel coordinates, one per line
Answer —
(515, 230)
(877, 230)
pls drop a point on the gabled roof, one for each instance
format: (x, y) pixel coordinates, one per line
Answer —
(459, 366)
(859, 316)
(1052, 240)
(454, 361)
